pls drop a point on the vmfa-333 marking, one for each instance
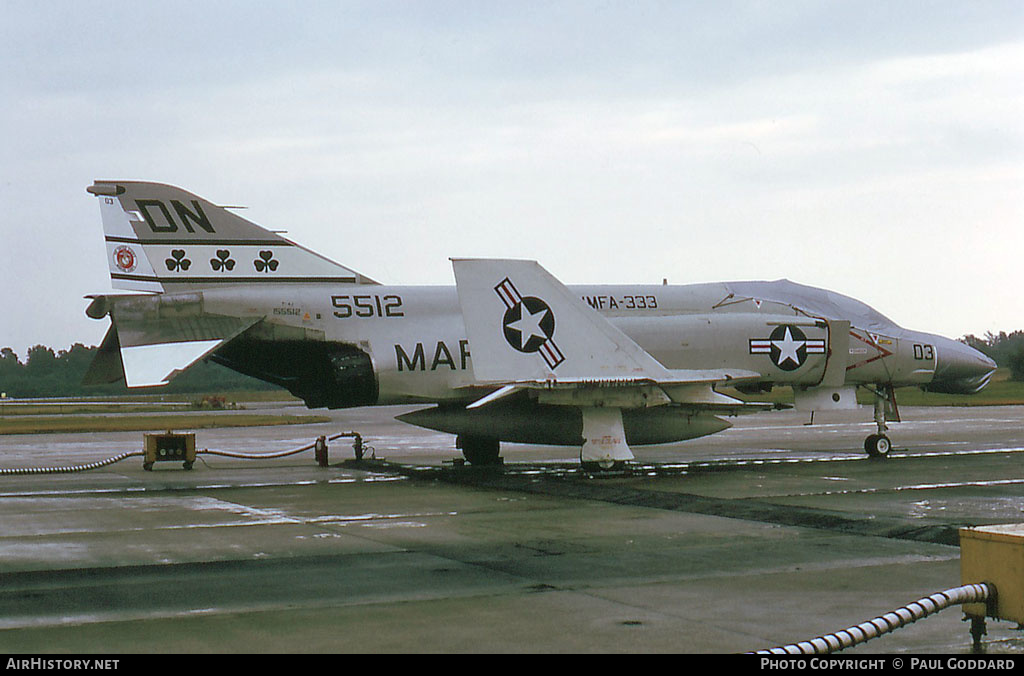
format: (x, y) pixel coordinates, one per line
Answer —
(508, 354)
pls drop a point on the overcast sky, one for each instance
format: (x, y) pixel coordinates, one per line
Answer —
(871, 148)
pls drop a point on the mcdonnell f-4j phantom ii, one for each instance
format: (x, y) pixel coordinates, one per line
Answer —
(508, 354)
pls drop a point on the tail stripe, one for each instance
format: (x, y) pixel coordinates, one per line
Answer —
(208, 281)
(209, 242)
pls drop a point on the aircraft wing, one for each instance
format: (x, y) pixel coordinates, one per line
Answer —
(528, 331)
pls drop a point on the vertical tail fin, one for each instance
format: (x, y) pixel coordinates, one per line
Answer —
(510, 309)
(162, 238)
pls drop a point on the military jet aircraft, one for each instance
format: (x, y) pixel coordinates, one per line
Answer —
(508, 354)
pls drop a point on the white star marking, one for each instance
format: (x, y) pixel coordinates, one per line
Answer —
(528, 325)
(788, 347)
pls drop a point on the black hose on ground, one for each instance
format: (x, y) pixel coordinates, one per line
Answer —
(15, 471)
(883, 624)
(72, 468)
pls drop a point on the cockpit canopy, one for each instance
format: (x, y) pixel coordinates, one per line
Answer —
(815, 302)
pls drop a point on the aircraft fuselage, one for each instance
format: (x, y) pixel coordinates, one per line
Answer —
(417, 342)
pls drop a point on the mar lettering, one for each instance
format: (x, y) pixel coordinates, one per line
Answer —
(443, 357)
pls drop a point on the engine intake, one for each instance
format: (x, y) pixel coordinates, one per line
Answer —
(322, 374)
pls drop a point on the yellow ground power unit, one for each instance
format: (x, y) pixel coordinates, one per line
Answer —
(169, 446)
(995, 555)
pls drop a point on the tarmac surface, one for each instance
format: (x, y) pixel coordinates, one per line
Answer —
(769, 533)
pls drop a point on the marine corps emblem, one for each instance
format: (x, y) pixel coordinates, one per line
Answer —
(124, 259)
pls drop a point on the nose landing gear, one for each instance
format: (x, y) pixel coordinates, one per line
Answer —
(878, 445)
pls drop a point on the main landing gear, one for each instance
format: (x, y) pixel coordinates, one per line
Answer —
(878, 445)
(604, 465)
(479, 450)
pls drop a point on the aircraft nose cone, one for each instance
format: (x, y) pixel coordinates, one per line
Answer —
(960, 369)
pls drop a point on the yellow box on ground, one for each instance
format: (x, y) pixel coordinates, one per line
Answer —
(995, 555)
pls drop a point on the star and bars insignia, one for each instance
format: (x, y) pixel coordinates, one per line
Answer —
(787, 346)
(528, 324)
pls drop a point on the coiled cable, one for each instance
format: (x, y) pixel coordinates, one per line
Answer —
(15, 471)
(883, 624)
(281, 454)
(71, 468)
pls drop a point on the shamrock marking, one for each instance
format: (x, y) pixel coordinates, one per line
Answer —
(266, 262)
(223, 262)
(177, 261)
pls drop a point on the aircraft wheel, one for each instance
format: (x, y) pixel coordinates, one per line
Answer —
(479, 450)
(603, 465)
(878, 446)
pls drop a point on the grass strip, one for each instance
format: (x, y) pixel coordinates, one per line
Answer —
(1001, 391)
(148, 423)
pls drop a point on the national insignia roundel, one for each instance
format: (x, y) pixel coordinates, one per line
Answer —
(528, 324)
(787, 346)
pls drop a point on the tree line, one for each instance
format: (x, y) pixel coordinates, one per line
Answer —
(1006, 349)
(49, 373)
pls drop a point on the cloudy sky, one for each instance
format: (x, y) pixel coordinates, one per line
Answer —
(872, 148)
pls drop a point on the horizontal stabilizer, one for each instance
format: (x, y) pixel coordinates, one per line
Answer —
(147, 365)
(106, 366)
(144, 352)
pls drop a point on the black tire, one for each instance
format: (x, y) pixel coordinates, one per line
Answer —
(598, 466)
(878, 446)
(480, 450)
